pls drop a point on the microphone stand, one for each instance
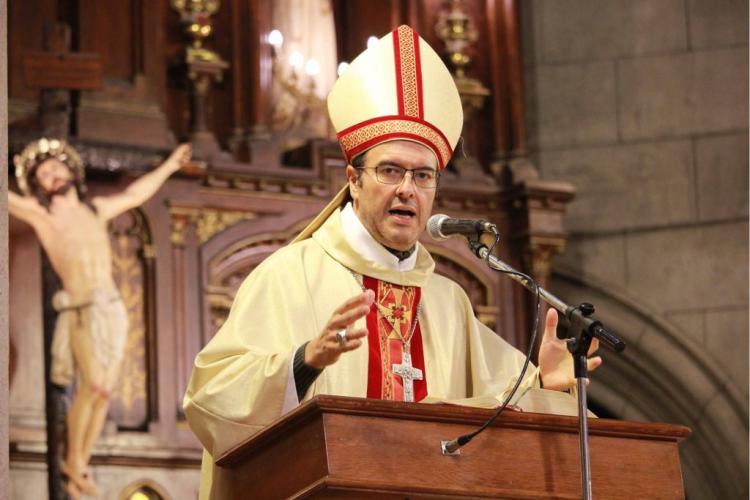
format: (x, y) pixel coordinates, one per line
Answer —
(583, 329)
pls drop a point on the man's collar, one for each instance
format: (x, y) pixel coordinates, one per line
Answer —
(360, 239)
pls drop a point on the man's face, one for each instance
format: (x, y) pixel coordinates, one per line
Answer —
(394, 214)
(54, 177)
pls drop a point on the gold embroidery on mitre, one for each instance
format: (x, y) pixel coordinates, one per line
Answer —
(408, 60)
(374, 130)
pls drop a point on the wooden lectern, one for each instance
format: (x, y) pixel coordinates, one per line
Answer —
(337, 447)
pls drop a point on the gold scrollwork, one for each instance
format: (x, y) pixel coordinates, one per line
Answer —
(207, 222)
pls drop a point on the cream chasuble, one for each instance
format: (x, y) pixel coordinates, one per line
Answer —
(240, 378)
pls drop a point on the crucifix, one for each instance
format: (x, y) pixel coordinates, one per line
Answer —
(408, 374)
(57, 72)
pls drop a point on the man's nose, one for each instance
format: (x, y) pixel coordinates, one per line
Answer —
(407, 187)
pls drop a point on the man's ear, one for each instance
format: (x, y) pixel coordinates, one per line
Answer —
(352, 175)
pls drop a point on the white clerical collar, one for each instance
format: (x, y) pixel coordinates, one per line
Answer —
(360, 239)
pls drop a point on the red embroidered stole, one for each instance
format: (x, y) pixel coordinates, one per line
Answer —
(388, 322)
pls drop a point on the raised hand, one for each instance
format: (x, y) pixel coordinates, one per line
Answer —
(180, 157)
(326, 348)
(555, 362)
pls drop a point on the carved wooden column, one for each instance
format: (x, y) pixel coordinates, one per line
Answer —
(180, 271)
(537, 209)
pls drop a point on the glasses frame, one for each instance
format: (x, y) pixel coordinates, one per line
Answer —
(412, 170)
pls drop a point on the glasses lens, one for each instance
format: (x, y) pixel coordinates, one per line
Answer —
(425, 177)
(390, 174)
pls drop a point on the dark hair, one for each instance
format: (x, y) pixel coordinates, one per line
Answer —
(358, 162)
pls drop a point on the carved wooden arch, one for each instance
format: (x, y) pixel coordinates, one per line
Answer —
(231, 255)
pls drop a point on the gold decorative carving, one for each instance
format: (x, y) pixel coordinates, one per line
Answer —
(207, 221)
(210, 222)
(538, 256)
(179, 227)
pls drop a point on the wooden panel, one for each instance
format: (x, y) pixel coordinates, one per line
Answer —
(357, 20)
(62, 71)
(374, 449)
(26, 24)
(110, 29)
(303, 456)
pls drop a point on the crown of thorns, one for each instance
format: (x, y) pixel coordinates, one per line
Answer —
(44, 149)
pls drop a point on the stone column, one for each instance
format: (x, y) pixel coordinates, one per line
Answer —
(4, 459)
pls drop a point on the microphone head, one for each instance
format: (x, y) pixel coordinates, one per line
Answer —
(433, 226)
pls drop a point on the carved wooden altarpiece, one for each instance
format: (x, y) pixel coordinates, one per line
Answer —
(180, 258)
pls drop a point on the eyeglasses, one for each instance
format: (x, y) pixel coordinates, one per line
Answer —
(426, 178)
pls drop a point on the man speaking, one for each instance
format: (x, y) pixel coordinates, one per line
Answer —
(352, 307)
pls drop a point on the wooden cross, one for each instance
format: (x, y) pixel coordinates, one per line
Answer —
(56, 72)
(408, 375)
(58, 68)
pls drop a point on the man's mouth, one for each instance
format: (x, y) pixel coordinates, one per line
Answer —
(403, 213)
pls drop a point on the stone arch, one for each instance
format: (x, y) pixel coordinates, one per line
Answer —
(664, 376)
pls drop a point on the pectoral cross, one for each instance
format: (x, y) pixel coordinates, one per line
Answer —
(408, 374)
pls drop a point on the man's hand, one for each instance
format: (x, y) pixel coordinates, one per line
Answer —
(555, 362)
(325, 349)
(180, 157)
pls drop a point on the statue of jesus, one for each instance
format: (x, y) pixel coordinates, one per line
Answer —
(91, 327)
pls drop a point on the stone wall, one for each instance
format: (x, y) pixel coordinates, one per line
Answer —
(643, 105)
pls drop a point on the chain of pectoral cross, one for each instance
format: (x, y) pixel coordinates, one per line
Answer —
(405, 370)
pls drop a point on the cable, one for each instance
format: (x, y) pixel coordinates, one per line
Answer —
(452, 446)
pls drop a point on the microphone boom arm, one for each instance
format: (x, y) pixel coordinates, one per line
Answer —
(578, 316)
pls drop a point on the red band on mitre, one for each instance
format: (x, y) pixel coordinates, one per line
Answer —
(369, 133)
(408, 70)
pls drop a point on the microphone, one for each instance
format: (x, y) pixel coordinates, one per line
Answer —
(441, 227)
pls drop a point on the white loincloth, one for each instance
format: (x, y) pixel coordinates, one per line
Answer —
(103, 317)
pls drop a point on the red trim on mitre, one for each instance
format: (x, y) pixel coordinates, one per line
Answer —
(396, 131)
(408, 69)
(395, 136)
(397, 64)
(418, 64)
